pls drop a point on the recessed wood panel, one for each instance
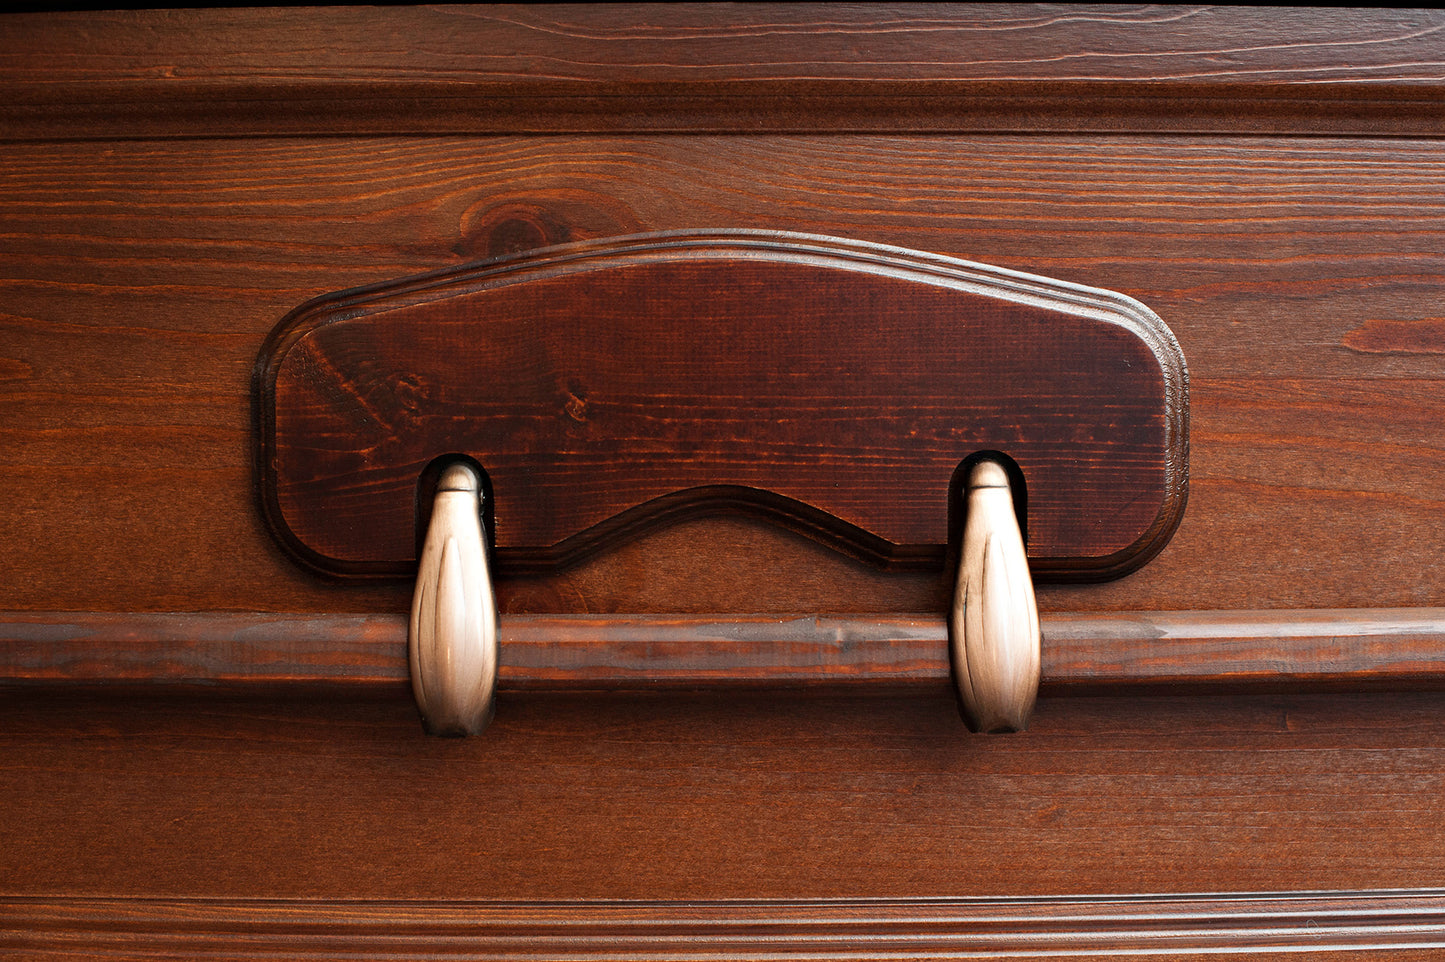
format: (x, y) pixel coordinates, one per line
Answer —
(714, 795)
(143, 278)
(176, 181)
(831, 386)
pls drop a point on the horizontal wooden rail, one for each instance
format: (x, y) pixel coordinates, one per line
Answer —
(1385, 646)
(172, 109)
(1053, 926)
(704, 67)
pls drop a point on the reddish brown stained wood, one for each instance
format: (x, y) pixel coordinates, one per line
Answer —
(828, 385)
(1058, 926)
(163, 204)
(612, 43)
(1219, 649)
(714, 795)
(1424, 335)
(140, 280)
(696, 67)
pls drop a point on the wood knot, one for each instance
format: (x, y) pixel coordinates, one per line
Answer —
(522, 225)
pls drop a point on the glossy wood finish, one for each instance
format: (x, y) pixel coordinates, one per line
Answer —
(1302, 296)
(764, 69)
(721, 795)
(822, 384)
(1215, 651)
(173, 183)
(1388, 925)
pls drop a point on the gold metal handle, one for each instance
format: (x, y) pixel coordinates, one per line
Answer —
(994, 624)
(452, 642)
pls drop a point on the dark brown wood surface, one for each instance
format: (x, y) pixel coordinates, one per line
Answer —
(694, 67)
(715, 795)
(828, 386)
(698, 42)
(172, 183)
(141, 279)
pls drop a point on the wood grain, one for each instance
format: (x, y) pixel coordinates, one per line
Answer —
(714, 795)
(829, 386)
(615, 43)
(140, 280)
(1406, 922)
(173, 182)
(701, 67)
(1082, 652)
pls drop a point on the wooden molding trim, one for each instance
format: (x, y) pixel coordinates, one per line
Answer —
(1399, 647)
(1067, 926)
(242, 109)
(700, 67)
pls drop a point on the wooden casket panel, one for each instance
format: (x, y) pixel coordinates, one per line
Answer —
(1292, 373)
(175, 182)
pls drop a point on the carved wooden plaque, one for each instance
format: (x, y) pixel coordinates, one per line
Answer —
(830, 385)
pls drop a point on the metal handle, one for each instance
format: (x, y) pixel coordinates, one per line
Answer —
(452, 642)
(993, 626)
(994, 635)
